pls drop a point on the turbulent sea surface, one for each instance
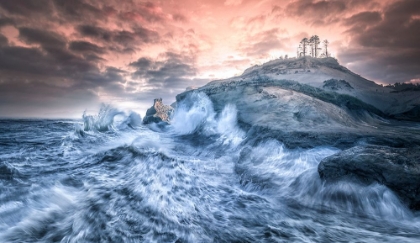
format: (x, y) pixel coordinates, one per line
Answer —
(108, 178)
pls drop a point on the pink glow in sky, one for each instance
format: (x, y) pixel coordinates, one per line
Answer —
(58, 58)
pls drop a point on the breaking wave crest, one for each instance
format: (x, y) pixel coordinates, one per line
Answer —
(109, 118)
(195, 114)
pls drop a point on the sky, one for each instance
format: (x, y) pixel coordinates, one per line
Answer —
(59, 58)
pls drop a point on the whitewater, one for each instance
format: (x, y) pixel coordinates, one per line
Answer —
(109, 178)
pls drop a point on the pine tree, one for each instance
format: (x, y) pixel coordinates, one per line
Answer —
(325, 42)
(311, 43)
(316, 42)
(304, 42)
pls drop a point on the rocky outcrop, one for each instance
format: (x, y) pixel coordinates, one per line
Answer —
(396, 168)
(328, 106)
(300, 115)
(159, 112)
(327, 78)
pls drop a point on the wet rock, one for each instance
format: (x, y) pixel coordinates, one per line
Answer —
(159, 112)
(396, 168)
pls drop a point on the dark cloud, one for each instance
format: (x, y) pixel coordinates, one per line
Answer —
(53, 64)
(128, 39)
(387, 48)
(95, 32)
(146, 11)
(93, 58)
(25, 60)
(110, 80)
(398, 29)
(85, 47)
(163, 78)
(27, 8)
(51, 78)
(68, 45)
(317, 8)
(360, 22)
(175, 71)
(365, 4)
(146, 35)
(34, 80)
(324, 12)
(317, 12)
(142, 63)
(3, 40)
(364, 18)
(6, 21)
(42, 37)
(78, 10)
(382, 65)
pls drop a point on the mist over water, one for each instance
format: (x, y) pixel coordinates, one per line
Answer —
(109, 178)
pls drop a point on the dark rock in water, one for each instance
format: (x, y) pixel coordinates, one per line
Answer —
(158, 112)
(397, 168)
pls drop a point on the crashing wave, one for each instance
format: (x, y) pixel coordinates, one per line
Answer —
(195, 113)
(110, 118)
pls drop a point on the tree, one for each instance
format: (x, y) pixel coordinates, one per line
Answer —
(304, 42)
(326, 47)
(311, 43)
(316, 42)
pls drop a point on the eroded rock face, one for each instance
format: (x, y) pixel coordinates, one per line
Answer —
(397, 168)
(159, 112)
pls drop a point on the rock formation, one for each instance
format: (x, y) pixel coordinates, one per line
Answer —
(299, 111)
(397, 168)
(159, 112)
(329, 106)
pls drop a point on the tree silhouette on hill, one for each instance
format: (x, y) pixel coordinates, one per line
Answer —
(310, 47)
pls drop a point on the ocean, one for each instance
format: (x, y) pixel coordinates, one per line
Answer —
(108, 178)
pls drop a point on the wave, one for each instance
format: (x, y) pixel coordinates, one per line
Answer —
(106, 120)
(195, 114)
(8, 172)
(195, 180)
(159, 188)
(291, 175)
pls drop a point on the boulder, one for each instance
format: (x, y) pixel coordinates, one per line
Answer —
(396, 168)
(158, 113)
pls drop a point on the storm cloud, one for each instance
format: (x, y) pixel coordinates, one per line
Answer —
(61, 57)
(171, 72)
(386, 43)
(68, 56)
